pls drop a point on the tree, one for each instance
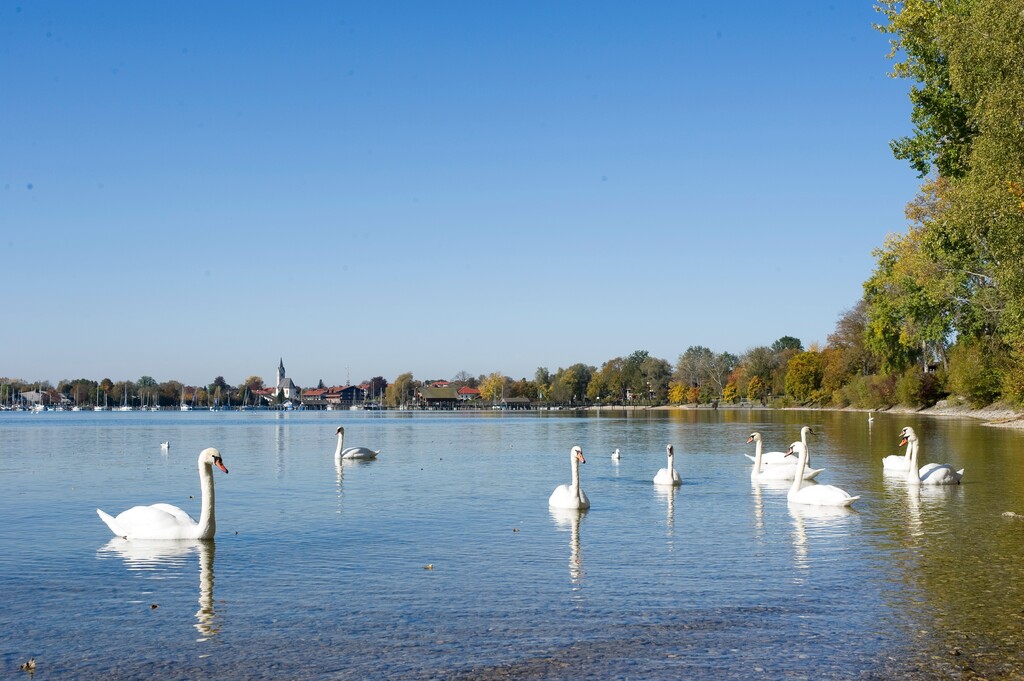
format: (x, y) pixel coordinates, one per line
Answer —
(400, 393)
(786, 343)
(964, 60)
(700, 367)
(757, 389)
(463, 378)
(493, 386)
(570, 385)
(523, 388)
(692, 365)
(254, 383)
(943, 130)
(803, 375)
(542, 377)
(760, 363)
(848, 339)
(377, 388)
(608, 383)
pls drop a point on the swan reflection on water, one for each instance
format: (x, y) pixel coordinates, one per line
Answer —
(570, 518)
(823, 521)
(667, 494)
(758, 488)
(339, 469)
(162, 558)
(922, 501)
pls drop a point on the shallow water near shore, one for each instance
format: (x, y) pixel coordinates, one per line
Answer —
(441, 559)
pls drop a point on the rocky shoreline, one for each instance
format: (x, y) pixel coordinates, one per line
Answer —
(997, 416)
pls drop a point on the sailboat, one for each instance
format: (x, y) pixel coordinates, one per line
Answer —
(184, 405)
(124, 406)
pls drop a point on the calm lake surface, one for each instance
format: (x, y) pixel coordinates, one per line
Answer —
(318, 572)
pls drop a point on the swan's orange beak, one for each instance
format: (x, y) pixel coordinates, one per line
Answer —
(580, 458)
(220, 464)
(750, 439)
(903, 442)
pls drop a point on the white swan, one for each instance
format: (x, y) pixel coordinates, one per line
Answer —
(163, 521)
(816, 495)
(571, 495)
(352, 452)
(615, 455)
(669, 475)
(767, 458)
(898, 463)
(930, 473)
(779, 471)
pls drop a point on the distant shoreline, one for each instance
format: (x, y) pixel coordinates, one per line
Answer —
(993, 415)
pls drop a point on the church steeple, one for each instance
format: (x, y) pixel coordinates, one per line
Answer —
(280, 372)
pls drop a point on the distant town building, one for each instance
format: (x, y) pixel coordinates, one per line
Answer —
(284, 384)
(439, 398)
(466, 393)
(345, 396)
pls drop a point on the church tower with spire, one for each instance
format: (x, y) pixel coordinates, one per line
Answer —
(285, 386)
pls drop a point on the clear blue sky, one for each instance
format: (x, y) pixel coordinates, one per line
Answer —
(194, 189)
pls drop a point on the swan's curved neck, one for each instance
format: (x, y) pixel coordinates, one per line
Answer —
(576, 476)
(913, 476)
(207, 520)
(757, 459)
(807, 450)
(801, 464)
(341, 443)
(670, 457)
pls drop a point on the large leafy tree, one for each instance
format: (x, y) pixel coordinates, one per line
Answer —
(943, 130)
(493, 386)
(965, 59)
(401, 391)
(803, 375)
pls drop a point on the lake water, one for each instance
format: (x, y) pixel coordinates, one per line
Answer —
(321, 573)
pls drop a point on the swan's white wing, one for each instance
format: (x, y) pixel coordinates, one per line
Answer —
(182, 517)
(939, 474)
(822, 495)
(359, 453)
(151, 522)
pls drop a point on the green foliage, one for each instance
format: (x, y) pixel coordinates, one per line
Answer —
(1013, 379)
(757, 389)
(400, 392)
(803, 375)
(943, 130)
(787, 343)
(918, 389)
(870, 392)
(975, 371)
